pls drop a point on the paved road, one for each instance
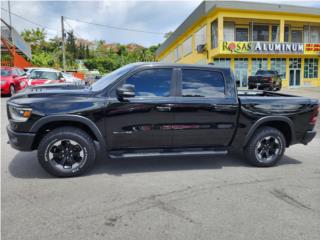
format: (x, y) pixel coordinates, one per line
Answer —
(168, 198)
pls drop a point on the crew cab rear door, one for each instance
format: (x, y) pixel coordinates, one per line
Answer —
(143, 121)
(206, 108)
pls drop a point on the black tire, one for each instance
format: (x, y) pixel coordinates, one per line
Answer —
(279, 87)
(76, 148)
(257, 150)
(12, 90)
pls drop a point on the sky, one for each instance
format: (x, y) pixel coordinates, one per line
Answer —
(155, 16)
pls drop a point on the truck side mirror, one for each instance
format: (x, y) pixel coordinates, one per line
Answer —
(125, 91)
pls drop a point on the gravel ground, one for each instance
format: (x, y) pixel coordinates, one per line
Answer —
(164, 198)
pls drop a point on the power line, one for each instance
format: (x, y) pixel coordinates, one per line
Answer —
(27, 20)
(117, 28)
(78, 35)
(92, 23)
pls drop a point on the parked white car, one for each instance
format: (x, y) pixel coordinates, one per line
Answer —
(70, 79)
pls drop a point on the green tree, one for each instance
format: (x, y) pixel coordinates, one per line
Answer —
(105, 57)
(87, 53)
(71, 44)
(36, 37)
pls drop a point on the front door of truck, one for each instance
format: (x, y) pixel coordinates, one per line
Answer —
(205, 109)
(143, 121)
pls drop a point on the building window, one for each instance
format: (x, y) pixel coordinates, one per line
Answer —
(178, 53)
(311, 34)
(221, 62)
(296, 36)
(259, 64)
(242, 34)
(275, 33)
(187, 46)
(311, 68)
(214, 34)
(279, 65)
(228, 31)
(315, 34)
(261, 33)
(169, 57)
(286, 33)
(295, 63)
(201, 36)
(241, 71)
(202, 61)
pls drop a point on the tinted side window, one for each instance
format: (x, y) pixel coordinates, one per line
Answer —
(152, 82)
(202, 83)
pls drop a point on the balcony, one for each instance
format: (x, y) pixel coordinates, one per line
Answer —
(257, 30)
(265, 37)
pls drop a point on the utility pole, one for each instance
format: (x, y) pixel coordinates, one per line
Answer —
(63, 46)
(10, 20)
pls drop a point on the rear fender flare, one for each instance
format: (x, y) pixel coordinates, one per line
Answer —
(264, 120)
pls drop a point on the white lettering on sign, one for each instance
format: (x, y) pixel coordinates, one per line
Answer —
(278, 47)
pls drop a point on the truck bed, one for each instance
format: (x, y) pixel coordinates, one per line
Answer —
(263, 93)
(256, 105)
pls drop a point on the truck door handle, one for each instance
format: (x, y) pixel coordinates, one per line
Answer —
(163, 109)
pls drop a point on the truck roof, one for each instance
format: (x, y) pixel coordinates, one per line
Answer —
(179, 65)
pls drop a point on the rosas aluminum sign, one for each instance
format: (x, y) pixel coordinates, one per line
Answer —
(262, 47)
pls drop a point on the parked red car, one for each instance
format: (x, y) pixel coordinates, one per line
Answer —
(13, 79)
(45, 76)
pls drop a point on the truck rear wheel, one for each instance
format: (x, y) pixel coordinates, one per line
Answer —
(66, 152)
(266, 147)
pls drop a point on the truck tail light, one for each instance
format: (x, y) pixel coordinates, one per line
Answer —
(313, 118)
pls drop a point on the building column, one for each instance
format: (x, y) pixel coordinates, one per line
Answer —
(232, 65)
(220, 29)
(281, 37)
(318, 79)
(286, 83)
(250, 66)
(302, 73)
(208, 34)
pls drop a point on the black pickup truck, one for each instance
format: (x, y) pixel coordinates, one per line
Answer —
(265, 80)
(156, 109)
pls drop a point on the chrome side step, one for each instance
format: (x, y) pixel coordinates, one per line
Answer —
(167, 153)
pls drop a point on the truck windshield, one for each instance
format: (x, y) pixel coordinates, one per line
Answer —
(111, 77)
(266, 72)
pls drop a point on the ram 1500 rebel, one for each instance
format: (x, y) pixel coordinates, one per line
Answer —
(156, 109)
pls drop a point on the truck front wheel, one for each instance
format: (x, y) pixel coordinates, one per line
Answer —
(266, 147)
(66, 152)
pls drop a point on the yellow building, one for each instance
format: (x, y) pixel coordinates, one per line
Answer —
(248, 36)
